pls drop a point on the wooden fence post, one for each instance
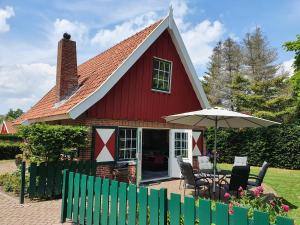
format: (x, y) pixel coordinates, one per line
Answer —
(64, 196)
(22, 191)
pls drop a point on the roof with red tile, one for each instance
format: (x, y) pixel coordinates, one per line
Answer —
(92, 74)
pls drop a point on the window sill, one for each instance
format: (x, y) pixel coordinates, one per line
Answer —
(161, 91)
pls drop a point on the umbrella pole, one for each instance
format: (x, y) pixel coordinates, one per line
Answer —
(215, 155)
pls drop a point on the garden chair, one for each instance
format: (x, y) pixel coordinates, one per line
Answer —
(179, 161)
(191, 181)
(240, 161)
(204, 163)
(256, 180)
(238, 178)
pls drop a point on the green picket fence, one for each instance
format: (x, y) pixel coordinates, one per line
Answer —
(92, 200)
(45, 179)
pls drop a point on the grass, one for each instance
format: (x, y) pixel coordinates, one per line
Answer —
(285, 182)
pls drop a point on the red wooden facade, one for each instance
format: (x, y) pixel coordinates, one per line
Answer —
(132, 98)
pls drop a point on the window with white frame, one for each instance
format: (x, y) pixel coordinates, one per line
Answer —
(181, 144)
(128, 143)
(161, 80)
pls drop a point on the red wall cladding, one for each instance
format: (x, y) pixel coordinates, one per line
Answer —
(132, 98)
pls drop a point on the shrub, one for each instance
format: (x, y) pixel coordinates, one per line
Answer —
(45, 143)
(11, 182)
(278, 145)
(9, 150)
(256, 200)
(10, 138)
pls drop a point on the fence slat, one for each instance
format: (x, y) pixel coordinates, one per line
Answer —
(222, 214)
(163, 204)
(22, 186)
(240, 216)
(70, 195)
(188, 211)
(42, 180)
(284, 221)
(64, 197)
(204, 212)
(50, 180)
(105, 199)
(58, 179)
(97, 207)
(153, 206)
(82, 206)
(76, 197)
(122, 204)
(32, 180)
(174, 208)
(132, 204)
(260, 218)
(90, 205)
(142, 206)
(113, 202)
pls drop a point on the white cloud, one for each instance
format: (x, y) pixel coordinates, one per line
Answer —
(5, 14)
(201, 39)
(287, 66)
(105, 38)
(22, 85)
(77, 30)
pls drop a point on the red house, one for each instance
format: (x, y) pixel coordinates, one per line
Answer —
(123, 94)
(7, 128)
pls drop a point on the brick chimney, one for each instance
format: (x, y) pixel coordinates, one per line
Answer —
(66, 71)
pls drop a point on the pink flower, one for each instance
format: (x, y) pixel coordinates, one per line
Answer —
(260, 189)
(285, 208)
(242, 193)
(231, 211)
(230, 205)
(272, 203)
(226, 195)
(240, 189)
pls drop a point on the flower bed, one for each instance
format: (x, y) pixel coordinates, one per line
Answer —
(257, 200)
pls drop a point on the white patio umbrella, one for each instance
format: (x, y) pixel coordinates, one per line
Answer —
(218, 117)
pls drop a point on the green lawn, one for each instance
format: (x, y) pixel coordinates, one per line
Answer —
(285, 182)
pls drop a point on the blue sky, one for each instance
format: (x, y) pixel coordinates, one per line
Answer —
(30, 30)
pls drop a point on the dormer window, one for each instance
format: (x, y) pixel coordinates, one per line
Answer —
(161, 80)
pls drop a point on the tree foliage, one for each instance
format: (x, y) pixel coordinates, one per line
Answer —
(13, 114)
(44, 143)
(244, 77)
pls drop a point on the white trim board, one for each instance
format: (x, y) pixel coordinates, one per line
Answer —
(102, 90)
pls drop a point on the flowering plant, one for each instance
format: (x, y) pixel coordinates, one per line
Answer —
(256, 200)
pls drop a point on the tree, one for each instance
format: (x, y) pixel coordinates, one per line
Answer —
(259, 57)
(14, 114)
(212, 80)
(232, 55)
(295, 79)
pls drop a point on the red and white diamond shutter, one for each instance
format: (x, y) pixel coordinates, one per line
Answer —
(197, 142)
(105, 144)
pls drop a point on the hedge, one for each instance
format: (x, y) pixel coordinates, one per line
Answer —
(10, 137)
(278, 145)
(9, 151)
(46, 143)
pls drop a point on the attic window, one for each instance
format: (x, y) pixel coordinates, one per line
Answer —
(161, 80)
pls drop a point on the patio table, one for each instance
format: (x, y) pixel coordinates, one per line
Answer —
(209, 174)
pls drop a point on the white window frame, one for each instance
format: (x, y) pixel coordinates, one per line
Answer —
(183, 147)
(132, 150)
(164, 71)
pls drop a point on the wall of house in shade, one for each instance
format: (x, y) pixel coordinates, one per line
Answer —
(132, 98)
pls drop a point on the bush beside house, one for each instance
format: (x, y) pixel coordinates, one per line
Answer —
(47, 143)
(10, 146)
(279, 145)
